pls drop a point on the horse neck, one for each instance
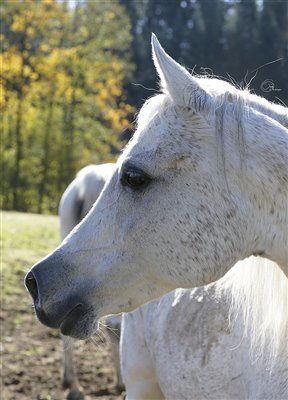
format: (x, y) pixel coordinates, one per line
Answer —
(263, 177)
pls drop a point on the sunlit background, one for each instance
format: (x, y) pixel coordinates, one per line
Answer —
(73, 75)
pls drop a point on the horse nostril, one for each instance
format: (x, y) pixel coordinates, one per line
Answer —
(31, 285)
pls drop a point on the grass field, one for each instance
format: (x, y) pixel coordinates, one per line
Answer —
(31, 353)
(25, 239)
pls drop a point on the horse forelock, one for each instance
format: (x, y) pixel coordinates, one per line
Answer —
(154, 105)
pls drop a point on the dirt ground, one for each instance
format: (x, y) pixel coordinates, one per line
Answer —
(32, 359)
(31, 354)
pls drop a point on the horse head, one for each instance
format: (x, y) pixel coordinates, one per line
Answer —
(190, 196)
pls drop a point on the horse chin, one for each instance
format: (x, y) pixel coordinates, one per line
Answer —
(79, 326)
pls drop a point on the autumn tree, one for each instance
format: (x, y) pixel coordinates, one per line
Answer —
(63, 104)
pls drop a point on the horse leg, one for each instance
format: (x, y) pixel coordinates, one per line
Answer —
(113, 329)
(70, 380)
(137, 368)
(116, 356)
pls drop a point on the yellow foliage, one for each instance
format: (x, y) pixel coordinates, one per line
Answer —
(30, 31)
(2, 97)
(44, 47)
(110, 15)
(18, 24)
(63, 88)
(11, 62)
(26, 71)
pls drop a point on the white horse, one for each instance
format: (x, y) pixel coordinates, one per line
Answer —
(182, 346)
(75, 203)
(202, 185)
(187, 329)
(81, 194)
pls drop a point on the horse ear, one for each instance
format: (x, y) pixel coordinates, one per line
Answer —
(177, 82)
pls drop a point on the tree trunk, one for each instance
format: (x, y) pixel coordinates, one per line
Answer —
(68, 131)
(46, 156)
(19, 151)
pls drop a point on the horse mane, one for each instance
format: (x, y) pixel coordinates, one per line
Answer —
(224, 93)
(257, 286)
(258, 291)
(154, 105)
(275, 111)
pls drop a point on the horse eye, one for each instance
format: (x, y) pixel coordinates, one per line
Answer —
(134, 178)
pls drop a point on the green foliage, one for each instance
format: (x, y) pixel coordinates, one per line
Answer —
(62, 96)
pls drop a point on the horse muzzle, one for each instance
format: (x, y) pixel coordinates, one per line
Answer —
(56, 304)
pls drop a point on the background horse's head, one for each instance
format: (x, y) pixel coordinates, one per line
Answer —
(196, 190)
